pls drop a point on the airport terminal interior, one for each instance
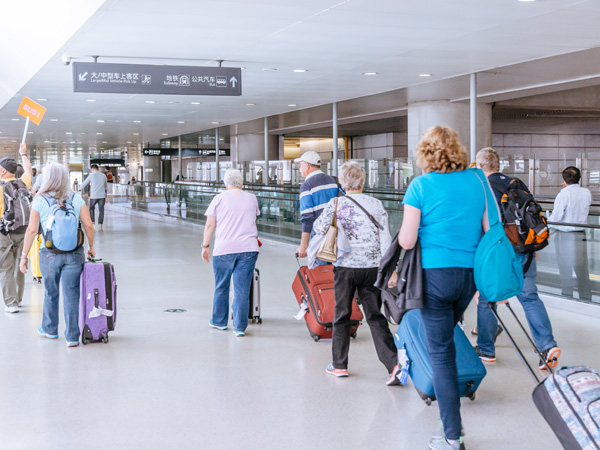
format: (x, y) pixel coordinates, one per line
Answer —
(165, 97)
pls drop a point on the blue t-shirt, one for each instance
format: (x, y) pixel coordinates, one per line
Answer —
(452, 207)
(40, 204)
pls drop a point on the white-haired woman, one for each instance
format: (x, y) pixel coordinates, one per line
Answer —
(65, 267)
(232, 217)
(357, 270)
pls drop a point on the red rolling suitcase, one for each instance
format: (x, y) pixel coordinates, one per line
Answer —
(314, 288)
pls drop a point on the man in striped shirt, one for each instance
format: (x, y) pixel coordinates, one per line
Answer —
(315, 192)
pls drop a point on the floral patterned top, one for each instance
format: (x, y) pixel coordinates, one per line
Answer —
(364, 237)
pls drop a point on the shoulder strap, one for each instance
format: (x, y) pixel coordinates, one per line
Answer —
(493, 218)
(377, 224)
(497, 186)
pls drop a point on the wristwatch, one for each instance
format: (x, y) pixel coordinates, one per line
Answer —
(205, 246)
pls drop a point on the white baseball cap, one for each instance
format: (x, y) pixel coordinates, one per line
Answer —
(310, 157)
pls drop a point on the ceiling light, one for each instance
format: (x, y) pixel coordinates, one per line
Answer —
(370, 73)
(118, 121)
(100, 121)
(129, 142)
(425, 74)
(91, 100)
(165, 134)
(173, 102)
(15, 120)
(42, 99)
(150, 101)
(53, 120)
(215, 123)
(196, 103)
(250, 104)
(136, 134)
(269, 69)
(68, 132)
(180, 121)
(137, 121)
(292, 104)
(527, 0)
(98, 134)
(30, 132)
(299, 70)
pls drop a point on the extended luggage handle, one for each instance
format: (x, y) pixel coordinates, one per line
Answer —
(93, 260)
(493, 306)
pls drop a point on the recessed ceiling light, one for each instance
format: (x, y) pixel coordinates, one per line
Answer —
(136, 134)
(68, 132)
(42, 99)
(150, 101)
(15, 120)
(46, 142)
(165, 134)
(370, 73)
(196, 103)
(292, 104)
(91, 100)
(117, 121)
(300, 70)
(98, 134)
(101, 148)
(173, 102)
(250, 104)
(180, 121)
(137, 121)
(527, 0)
(104, 142)
(425, 74)
(243, 68)
(129, 142)
(269, 69)
(53, 120)
(100, 121)
(30, 132)
(215, 123)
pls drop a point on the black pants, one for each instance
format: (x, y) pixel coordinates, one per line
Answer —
(100, 202)
(347, 282)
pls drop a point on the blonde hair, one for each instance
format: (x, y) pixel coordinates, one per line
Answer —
(488, 159)
(440, 150)
(352, 176)
(55, 183)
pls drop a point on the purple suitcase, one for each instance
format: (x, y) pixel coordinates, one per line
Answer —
(98, 301)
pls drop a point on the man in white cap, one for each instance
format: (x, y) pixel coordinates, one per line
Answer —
(315, 192)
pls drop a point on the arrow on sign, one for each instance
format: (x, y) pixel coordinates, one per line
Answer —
(233, 80)
(82, 76)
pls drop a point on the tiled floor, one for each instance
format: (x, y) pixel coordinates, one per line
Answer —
(169, 381)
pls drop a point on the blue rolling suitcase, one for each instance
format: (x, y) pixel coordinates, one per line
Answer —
(411, 343)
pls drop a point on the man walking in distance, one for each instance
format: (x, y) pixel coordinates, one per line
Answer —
(572, 205)
(315, 192)
(535, 311)
(13, 230)
(98, 185)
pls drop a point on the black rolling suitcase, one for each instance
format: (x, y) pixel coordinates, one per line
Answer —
(569, 398)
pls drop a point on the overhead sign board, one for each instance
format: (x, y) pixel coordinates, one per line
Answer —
(149, 79)
(31, 109)
(184, 152)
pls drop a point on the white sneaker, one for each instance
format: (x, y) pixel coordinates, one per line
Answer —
(11, 309)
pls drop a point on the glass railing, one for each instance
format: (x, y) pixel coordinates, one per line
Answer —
(280, 219)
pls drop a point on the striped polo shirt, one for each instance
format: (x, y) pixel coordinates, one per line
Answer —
(316, 191)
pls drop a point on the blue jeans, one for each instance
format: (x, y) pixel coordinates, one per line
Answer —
(448, 292)
(241, 267)
(535, 311)
(66, 267)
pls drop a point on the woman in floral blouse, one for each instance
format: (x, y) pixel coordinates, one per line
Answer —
(357, 270)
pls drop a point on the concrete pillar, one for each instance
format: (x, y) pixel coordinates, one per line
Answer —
(456, 115)
(152, 168)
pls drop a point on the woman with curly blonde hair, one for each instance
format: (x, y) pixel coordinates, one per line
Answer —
(445, 209)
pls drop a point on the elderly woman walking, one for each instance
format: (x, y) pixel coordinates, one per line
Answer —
(365, 223)
(232, 217)
(58, 266)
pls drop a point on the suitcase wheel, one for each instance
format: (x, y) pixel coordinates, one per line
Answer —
(104, 338)
(316, 338)
(428, 401)
(258, 320)
(353, 335)
(84, 340)
(471, 396)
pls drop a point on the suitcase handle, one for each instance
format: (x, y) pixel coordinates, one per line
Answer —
(96, 294)
(298, 260)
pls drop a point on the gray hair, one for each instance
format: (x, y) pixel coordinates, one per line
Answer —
(352, 176)
(56, 182)
(233, 178)
(488, 159)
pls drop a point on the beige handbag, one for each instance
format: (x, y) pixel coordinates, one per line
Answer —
(328, 250)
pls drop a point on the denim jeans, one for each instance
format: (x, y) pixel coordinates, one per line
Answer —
(535, 311)
(241, 267)
(347, 281)
(65, 267)
(448, 292)
(100, 202)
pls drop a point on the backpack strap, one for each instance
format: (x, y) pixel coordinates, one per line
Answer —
(528, 263)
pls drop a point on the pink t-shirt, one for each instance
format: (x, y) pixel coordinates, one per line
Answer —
(236, 213)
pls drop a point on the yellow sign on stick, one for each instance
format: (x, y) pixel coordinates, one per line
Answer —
(31, 109)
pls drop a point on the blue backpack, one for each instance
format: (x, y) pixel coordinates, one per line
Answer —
(498, 270)
(63, 232)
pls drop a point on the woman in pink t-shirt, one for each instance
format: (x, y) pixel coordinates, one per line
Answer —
(232, 217)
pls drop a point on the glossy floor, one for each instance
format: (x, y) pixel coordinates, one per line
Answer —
(169, 381)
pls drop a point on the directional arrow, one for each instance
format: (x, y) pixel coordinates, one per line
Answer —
(233, 80)
(82, 76)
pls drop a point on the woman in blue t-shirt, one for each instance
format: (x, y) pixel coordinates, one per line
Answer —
(445, 209)
(55, 267)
